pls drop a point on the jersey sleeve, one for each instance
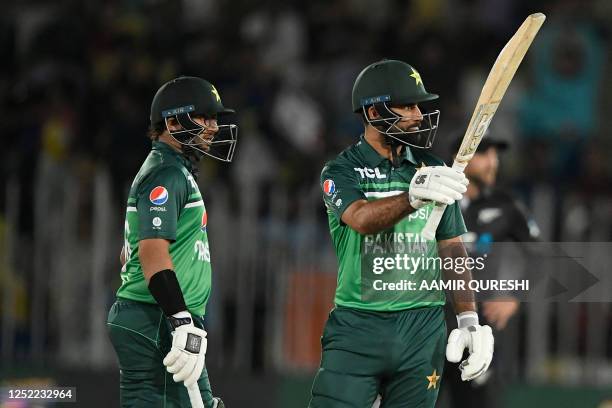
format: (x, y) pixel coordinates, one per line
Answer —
(452, 224)
(160, 198)
(340, 187)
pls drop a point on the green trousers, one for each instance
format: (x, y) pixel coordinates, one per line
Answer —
(399, 355)
(141, 338)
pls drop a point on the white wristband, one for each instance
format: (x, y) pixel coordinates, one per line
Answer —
(182, 314)
(467, 319)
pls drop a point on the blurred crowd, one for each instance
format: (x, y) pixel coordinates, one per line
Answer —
(78, 78)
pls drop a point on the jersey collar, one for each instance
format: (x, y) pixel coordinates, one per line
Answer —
(373, 159)
(166, 148)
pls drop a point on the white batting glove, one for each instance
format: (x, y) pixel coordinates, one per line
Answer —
(186, 358)
(436, 183)
(479, 342)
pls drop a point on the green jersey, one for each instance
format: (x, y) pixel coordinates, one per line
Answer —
(165, 202)
(383, 271)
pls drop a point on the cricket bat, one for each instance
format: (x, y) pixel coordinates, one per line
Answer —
(491, 95)
(194, 396)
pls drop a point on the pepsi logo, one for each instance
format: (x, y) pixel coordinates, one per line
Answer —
(204, 221)
(159, 195)
(329, 187)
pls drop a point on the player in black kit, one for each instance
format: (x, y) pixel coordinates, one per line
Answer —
(491, 215)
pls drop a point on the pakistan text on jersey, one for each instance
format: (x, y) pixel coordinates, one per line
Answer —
(395, 242)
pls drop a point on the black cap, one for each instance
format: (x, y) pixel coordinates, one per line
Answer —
(485, 143)
(499, 144)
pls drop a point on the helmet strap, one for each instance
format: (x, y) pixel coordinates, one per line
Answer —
(395, 156)
(194, 157)
(385, 113)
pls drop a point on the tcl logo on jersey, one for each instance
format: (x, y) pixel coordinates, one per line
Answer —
(159, 195)
(369, 173)
(329, 187)
(204, 221)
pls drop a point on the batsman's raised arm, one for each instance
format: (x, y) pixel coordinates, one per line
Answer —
(372, 217)
(435, 183)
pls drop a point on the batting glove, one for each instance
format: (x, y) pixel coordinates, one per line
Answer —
(436, 183)
(186, 357)
(479, 342)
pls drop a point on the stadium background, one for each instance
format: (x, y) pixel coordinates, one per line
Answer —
(76, 83)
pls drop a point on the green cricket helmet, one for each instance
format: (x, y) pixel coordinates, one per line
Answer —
(186, 97)
(388, 83)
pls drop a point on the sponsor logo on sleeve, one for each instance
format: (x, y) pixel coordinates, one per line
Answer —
(329, 187)
(157, 222)
(159, 195)
(204, 221)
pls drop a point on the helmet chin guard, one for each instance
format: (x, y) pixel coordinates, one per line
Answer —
(387, 125)
(195, 143)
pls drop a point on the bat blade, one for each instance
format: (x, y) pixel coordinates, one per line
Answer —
(497, 83)
(493, 91)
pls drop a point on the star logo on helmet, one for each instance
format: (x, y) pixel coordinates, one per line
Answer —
(416, 76)
(216, 93)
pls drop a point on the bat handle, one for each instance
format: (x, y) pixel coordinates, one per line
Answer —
(194, 396)
(429, 231)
